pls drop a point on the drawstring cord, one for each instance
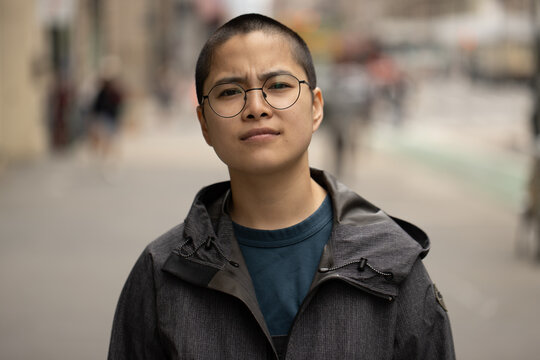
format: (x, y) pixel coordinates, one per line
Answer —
(210, 241)
(207, 245)
(362, 263)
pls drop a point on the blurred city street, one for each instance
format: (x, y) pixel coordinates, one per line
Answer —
(432, 112)
(72, 227)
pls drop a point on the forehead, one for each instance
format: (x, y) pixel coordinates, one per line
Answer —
(252, 54)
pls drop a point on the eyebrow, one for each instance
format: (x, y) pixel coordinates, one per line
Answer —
(243, 79)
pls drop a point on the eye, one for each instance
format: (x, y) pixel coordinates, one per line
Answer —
(228, 92)
(278, 85)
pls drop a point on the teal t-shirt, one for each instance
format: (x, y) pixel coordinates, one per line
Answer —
(282, 264)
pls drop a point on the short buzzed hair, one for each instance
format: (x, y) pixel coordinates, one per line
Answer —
(245, 24)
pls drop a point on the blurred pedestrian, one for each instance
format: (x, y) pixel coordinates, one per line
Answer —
(528, 239)
(164, 91)
(61, 102)
(389, 81)
(282, 261)
(106, 110)
(348, 113)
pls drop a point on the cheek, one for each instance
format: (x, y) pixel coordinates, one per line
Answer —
(221, 137)
(212, 131)
(300, 132)
(216, 129)
(302, 120)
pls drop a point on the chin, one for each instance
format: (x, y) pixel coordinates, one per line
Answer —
(265, 161)
(265, 166)
(255, 169)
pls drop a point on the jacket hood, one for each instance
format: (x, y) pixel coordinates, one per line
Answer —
(368, 247)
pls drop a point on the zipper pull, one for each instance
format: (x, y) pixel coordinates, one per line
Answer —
(362, 264)
(208, 243)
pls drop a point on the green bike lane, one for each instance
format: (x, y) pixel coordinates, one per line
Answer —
(499, 173)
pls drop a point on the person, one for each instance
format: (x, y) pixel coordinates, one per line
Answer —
(389, 81)
(282, 261)
(347, 112)
(528, 234)
(106, 110)
(60, 103)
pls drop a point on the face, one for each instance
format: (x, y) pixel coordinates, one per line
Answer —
(260, 139)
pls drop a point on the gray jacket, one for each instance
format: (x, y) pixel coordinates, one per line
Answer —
(190, 296)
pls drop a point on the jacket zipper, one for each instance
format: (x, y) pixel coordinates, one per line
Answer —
(314, 290)
(210, 241)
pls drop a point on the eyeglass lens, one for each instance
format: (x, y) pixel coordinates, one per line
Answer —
(279, 91)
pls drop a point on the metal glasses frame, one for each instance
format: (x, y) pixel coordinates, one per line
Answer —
(300, 82)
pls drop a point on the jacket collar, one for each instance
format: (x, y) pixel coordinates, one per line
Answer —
(366, 245)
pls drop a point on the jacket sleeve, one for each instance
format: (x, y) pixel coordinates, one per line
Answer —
(422, 326)
(134, 332)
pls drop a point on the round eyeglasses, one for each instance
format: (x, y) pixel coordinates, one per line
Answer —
(279, 91)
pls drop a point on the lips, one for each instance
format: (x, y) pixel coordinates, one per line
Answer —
(258, 132)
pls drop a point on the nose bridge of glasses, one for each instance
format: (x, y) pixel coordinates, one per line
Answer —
(256, 102)
(252, 89)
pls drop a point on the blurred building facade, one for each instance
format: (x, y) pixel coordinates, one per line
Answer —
(22, 133)
(54, 51)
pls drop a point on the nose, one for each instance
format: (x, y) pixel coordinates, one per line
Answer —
(256, 107)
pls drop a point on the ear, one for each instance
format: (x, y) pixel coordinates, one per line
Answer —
(317, 108)
(204, 125)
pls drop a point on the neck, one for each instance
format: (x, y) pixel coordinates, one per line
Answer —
(274, 201)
